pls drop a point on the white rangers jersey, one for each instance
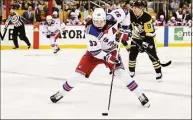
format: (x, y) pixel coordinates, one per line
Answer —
(127, 20)
(52, 29)
(103, 41)
(58, 21)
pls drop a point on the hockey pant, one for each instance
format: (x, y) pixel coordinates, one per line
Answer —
(134, 50)
(20, 31)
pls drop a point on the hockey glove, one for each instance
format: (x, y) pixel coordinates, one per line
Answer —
(111, 58)
(143, 47)
(48, 36)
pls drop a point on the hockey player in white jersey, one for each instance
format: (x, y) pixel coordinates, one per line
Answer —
(124, 29)
(51, 29)
(102, 49)
(58, 21)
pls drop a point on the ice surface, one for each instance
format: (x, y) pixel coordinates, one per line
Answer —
(29, 78)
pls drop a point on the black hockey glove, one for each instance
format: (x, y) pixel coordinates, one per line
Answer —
(143, 47)
(48, 36)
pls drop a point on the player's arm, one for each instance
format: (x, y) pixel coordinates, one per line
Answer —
(149, 29)
(149, 34)
(7, 22)
(117, 15)
(95, 48)
(44, 29)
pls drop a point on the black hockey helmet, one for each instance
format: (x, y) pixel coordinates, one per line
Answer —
(138, 3)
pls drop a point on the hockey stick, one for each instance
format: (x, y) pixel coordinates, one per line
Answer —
(113, 73)
(162, 64)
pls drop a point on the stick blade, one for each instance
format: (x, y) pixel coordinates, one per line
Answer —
(166, 64)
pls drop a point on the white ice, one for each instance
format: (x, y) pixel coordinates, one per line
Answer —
(29, 78)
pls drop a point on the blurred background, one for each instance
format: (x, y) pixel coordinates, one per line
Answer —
(163, 12)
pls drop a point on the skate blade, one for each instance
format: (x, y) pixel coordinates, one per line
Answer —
(147, 105)
(159, 80)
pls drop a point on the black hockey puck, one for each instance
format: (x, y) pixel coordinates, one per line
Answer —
(105, 114)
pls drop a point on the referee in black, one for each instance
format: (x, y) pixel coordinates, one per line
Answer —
(19, 28)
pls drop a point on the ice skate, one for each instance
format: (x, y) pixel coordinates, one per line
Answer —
(28, 47)
(56, 50)
(159, 77)
(56, 97)
(144, 100)
(132, 74)
(15, 48)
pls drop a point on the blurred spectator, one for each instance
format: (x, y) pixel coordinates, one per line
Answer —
(154, 20)
(15, 5)
(150, 4)
(29, 3)
(77, 13)
(69, 7)
(180, 21)
(164, 11)
(161, 21)
(54, 8)
(88, 18)
(186, 16)
(174, 5)
(45, 9)
(38, 14)
(175, 8)
(72, 19)
(22, 4)
(177, 13)
(172, 22)
(25, 6)
(28, 15)
(107, 8)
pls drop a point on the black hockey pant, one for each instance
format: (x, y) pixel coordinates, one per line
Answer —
(134, 50)
(20, 31)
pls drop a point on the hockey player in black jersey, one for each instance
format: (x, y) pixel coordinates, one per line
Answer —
(19, 28)
(143, 34)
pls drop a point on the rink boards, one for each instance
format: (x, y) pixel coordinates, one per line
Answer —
(74, 37)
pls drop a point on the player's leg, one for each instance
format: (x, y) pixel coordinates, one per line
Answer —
(130, 84)
(152, 50)
(67, 87)
(15, 35)
(23, 36)
(53, 44)
(83, 71)
(56, 45)
(132, 58)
